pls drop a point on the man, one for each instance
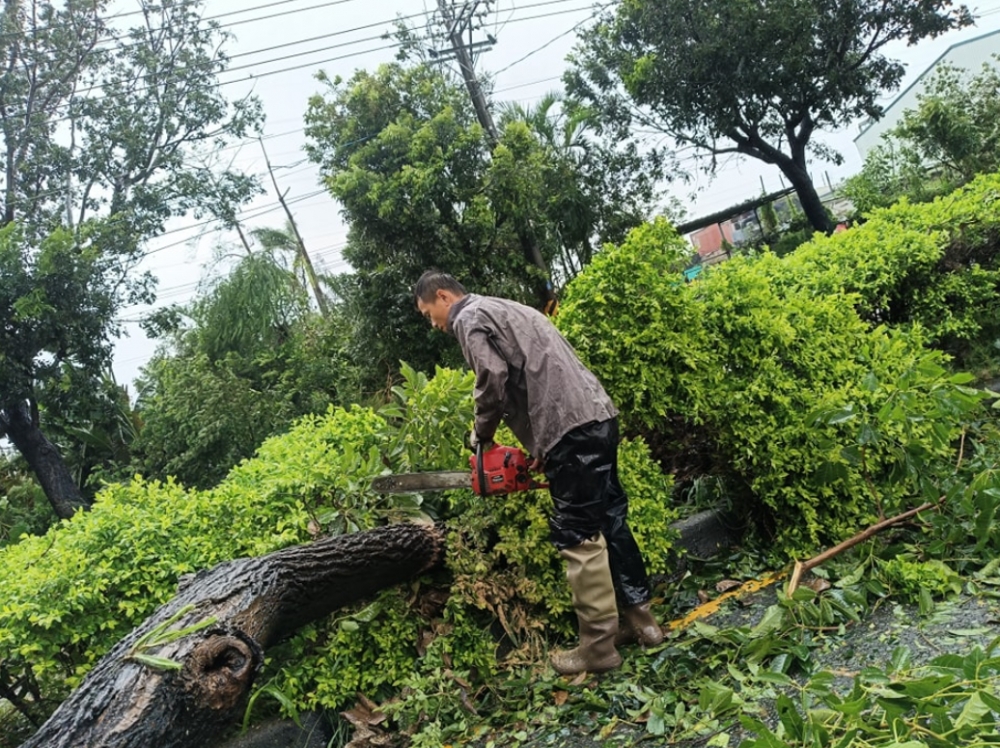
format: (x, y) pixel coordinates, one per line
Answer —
(528, 376)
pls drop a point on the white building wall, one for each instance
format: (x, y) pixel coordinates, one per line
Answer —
(969, 55)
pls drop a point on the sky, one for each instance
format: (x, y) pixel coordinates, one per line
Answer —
(277, 48)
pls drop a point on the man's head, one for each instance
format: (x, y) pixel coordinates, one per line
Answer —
(435, 292)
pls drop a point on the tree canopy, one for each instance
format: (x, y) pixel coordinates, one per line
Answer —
(946, 140)
(955, 123)
(751, 78)
(422, 186)
(105, 134)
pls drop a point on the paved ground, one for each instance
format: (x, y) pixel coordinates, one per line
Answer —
(955, 627)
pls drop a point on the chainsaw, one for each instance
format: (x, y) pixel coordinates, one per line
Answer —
(494, 471)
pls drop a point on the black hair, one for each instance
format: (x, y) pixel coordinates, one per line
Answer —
(433, 281)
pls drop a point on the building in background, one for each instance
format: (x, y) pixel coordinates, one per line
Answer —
(713, 236)
(970, 55)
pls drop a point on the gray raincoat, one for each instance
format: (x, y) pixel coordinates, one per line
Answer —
(526, 373)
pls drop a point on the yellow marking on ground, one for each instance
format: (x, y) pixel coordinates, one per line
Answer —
(706, 609)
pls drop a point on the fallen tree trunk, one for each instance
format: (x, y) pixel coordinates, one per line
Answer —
(182, 678)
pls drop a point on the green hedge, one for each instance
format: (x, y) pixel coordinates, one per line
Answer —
(932, 264)
(780, 366)
(67, 597)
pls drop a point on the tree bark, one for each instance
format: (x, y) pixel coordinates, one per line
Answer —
(43, 458)
(749, 142)
(812, 206)
(242, 607)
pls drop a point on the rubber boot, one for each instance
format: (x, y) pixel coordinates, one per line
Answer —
(589, 577)
(639, 627)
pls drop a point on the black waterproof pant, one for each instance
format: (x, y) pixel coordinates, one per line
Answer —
(582, 470)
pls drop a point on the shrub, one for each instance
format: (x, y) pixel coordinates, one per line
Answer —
(933, 264)
(65, 598)
(751, 355)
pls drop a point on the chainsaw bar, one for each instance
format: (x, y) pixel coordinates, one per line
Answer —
(411, 482)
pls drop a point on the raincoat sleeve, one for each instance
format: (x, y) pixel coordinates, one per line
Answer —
(483, 355)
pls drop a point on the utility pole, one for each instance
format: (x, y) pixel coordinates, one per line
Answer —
(456, 24)
(457, 21)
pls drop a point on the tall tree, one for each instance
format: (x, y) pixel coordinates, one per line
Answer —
(110, 133)
(402, 151)
(753, 78)
(55, 302)
(593, 190)
(423, 186)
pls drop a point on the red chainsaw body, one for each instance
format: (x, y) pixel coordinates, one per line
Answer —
(503, 470)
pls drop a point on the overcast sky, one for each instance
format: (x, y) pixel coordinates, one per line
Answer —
(278, 48)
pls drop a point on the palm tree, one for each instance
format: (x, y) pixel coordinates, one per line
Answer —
(254, 307)
(574, 216)
(288, 239)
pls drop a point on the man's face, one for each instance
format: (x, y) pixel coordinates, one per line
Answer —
(436, 310)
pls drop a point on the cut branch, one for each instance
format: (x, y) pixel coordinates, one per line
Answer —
(802, 567)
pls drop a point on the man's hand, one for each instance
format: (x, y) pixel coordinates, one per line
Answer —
(475, 441)
(536, 465)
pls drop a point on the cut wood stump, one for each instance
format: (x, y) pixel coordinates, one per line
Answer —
(183, 677)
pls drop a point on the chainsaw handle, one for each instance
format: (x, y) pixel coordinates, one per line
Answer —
(480, 470)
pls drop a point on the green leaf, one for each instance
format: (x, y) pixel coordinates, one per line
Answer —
(772, 621)
(973, 711)
(368, 613)
(767, 676)
(790, 717)
(853, 707)
(900, 659)
(925, 688)
(926, 602)
(766, 738)
(835, 416)
(157, 663)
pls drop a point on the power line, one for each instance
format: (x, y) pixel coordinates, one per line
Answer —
(249, 216)
(210, 221)
(176, 75)
(245, 217)
(529, 83)
(554, 39)
(214, 62)
(396, 45)
(183, 6)
(242, 143)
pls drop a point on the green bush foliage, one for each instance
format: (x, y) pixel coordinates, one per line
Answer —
(768, 361)
(24, 508)
(69, 595)
(66, 597)
(203, 418)
(933, 264)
